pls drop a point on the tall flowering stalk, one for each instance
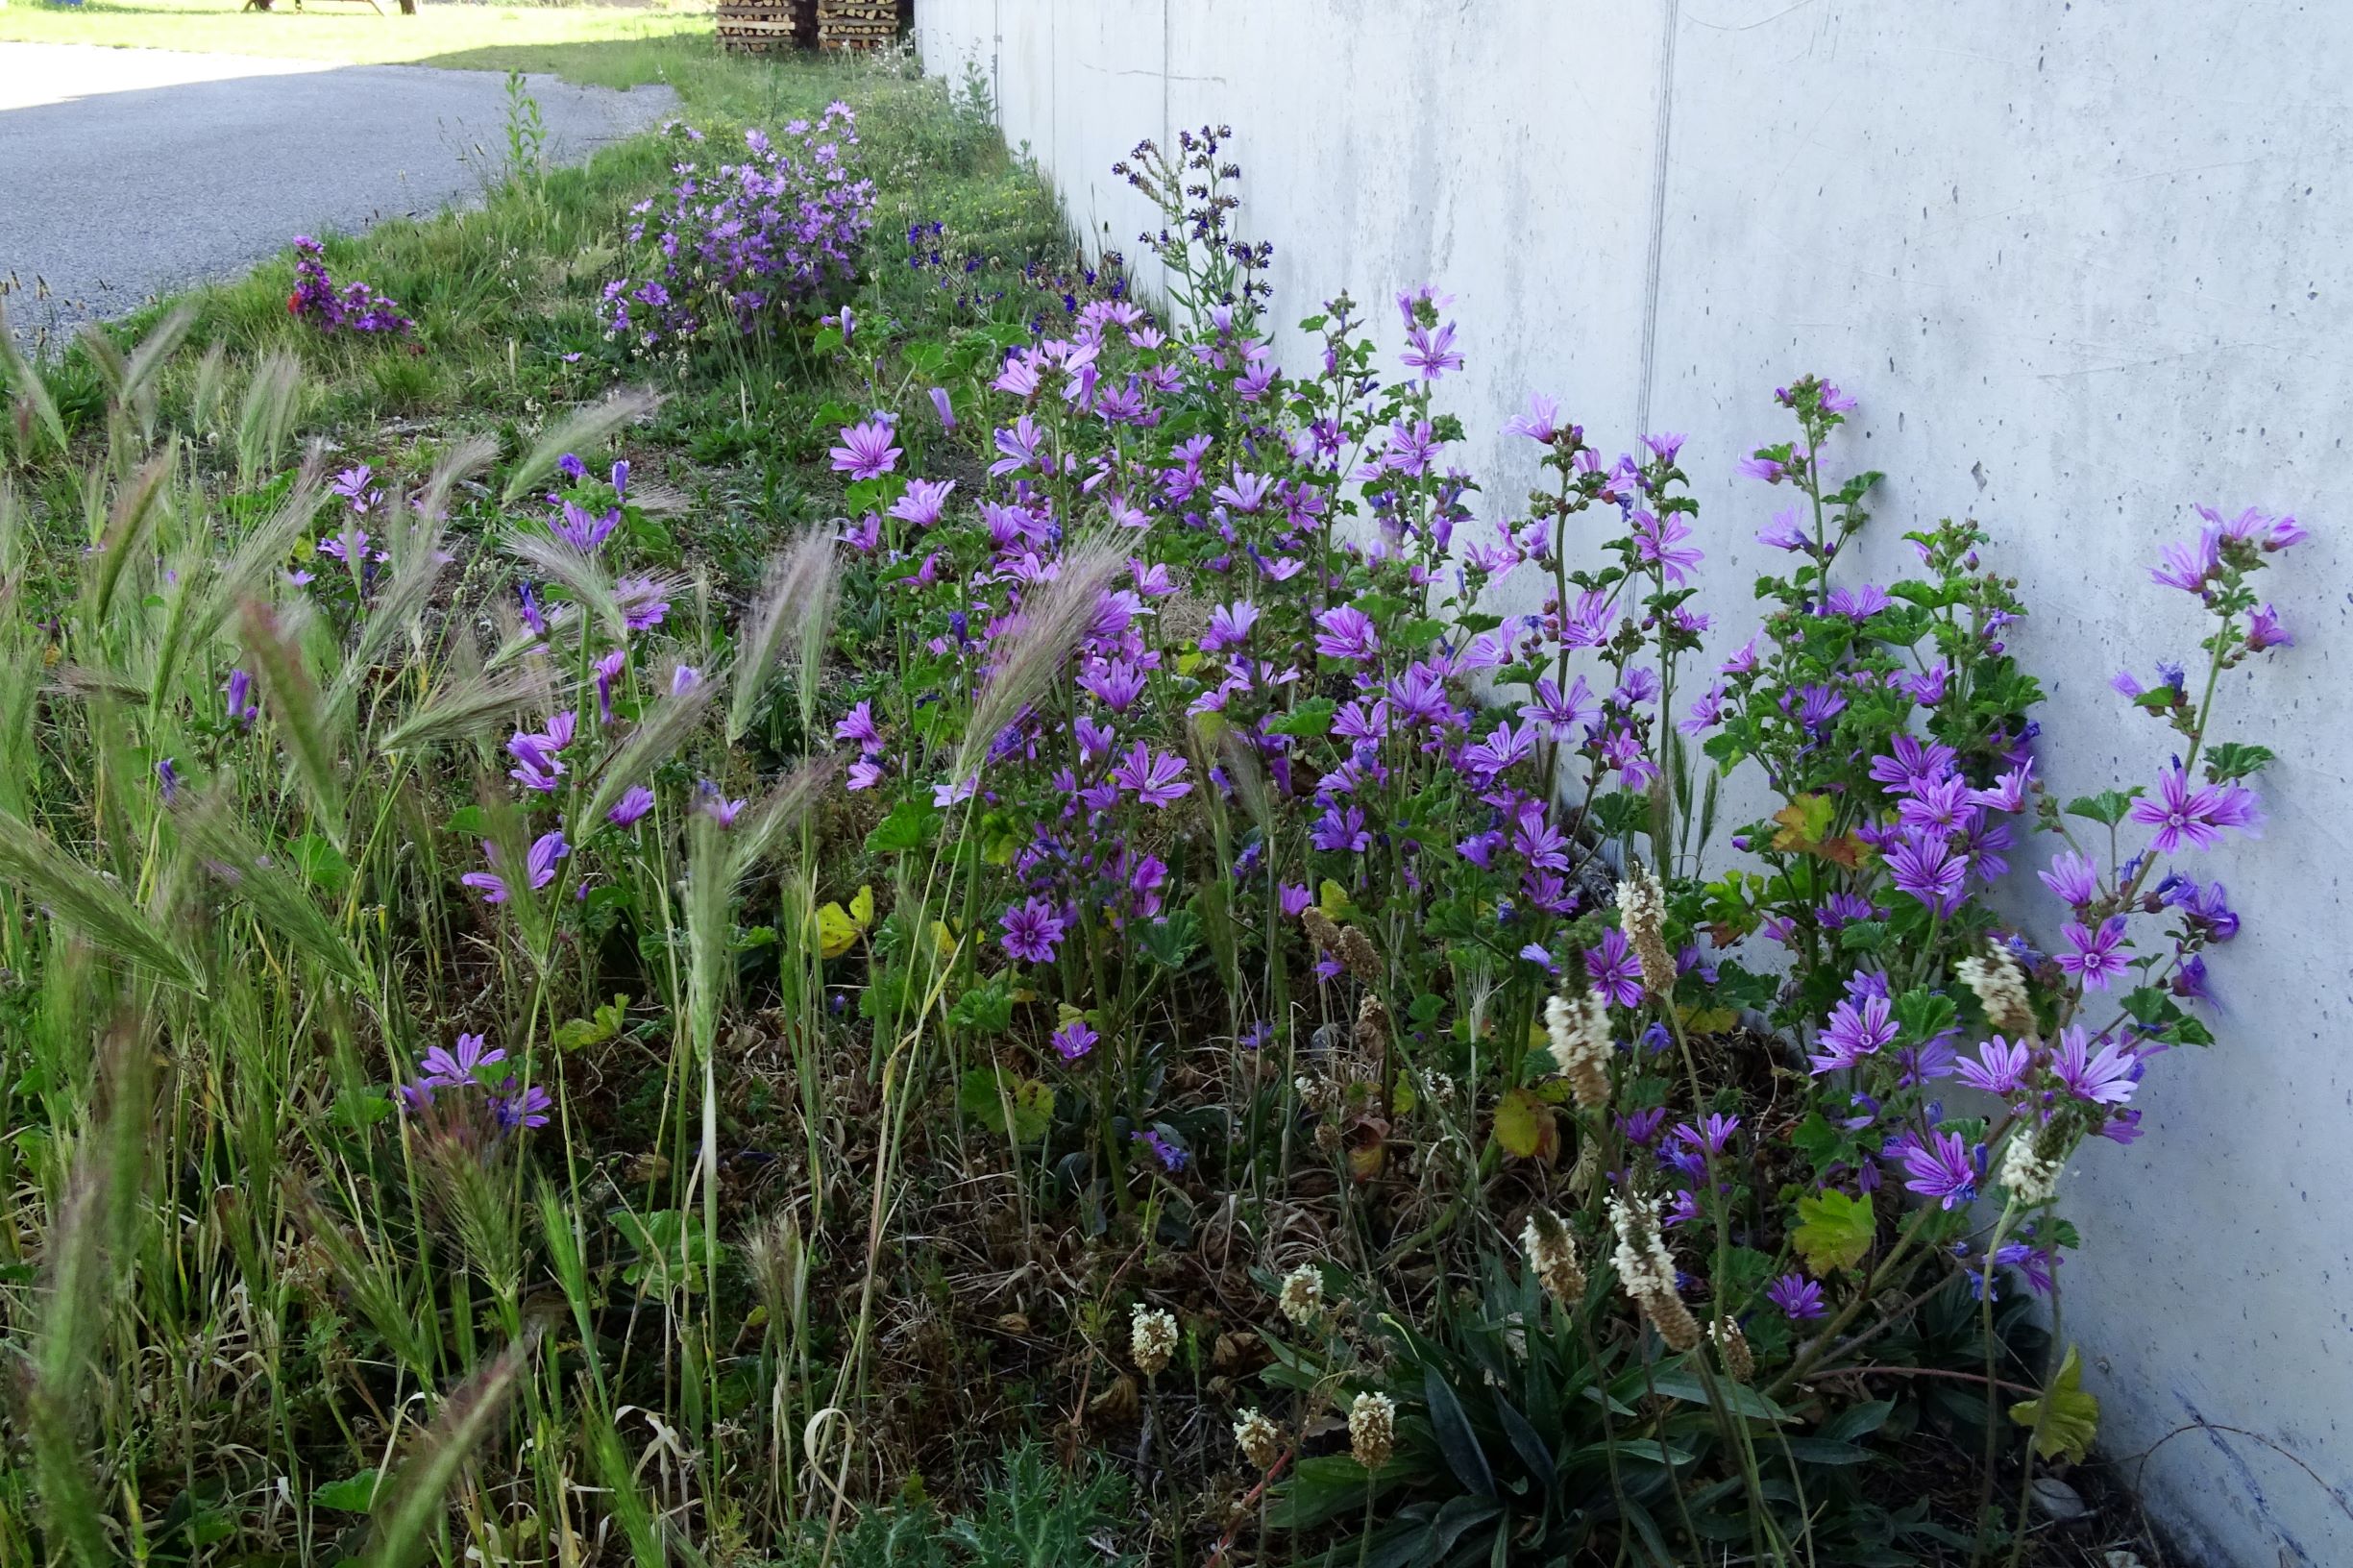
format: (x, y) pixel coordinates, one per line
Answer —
(1305, 738)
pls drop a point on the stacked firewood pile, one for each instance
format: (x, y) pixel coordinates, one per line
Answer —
(856, 24)
(759, 26)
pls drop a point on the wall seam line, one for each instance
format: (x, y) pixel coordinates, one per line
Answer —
(1654, 262)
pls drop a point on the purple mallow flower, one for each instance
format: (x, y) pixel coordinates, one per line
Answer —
(634, 802)
(866, 451)
(239, 690)
(539, 868)
(1616, 973)
(2093, 957)
(2071, 879)
(1158, 778)
(713, 803)
(2107, 1077)
(583, 530)
(1944, 1168)
(1798, 1298)
(1853, 1034)
(444, 1067)
(1171, 1157)
(1711, 1136)
(528, 1108)
(1032, 931)
(2194, 817)
(1073, 1040)
(1925, 868)
(2000, 1068)
(1348, 635)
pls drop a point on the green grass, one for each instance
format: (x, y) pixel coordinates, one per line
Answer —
(504, 293)
(506, 346)
(527, 37)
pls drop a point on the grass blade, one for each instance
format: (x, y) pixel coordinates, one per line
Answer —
(82, 899)
(295, 697)
(90, 1245)
(273, 400)
(582, 427)
(796, 606)
(126, 534)
(277, 901)
(405, 1511)
(1036, 652)
(158, 346)
(418, 560)
(581, 576)
(469, 457)
(657, 738)
(366, 1281)
(467, 708)
(29, 385)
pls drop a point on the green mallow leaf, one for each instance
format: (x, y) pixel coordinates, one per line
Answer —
(912, 824)
(1834, 1231)
(2230, 759)
(2073, 1419)
(2108, 806)
(987, 1094)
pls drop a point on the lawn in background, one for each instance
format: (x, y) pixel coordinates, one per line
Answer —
(500, 38)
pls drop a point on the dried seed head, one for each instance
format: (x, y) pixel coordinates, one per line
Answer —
(1327, 1137)
(1358, 955)
(1152, 1336)
(1320, 930)
(1372, 1430)
(1552, 1252)
(1993, 978)
(1372, 1027)
(1732, 1346)
(1301, 1296)
(1647, 1272)
(1029, 656)
(1642, 914)
(1580, 1035)
(1258, 1439)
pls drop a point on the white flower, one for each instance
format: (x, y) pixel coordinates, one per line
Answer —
(1258, 1439)
(1302, 1297)
(1642, 914)
(1580, 1035)
(1372, 1430)
(1552, 1252)
(2001, 990)
(1152, 1338)
(2030, 1176)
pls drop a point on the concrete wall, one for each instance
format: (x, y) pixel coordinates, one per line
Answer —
(2084, 264)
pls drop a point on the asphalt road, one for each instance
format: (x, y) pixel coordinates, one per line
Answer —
(127, 173)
